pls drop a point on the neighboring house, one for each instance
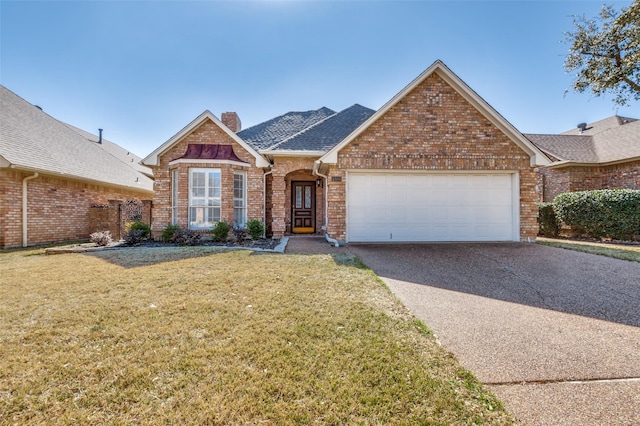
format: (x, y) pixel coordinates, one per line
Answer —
(435, 163)
(600, 155)
(51, 174)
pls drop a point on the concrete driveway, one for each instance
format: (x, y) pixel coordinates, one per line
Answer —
(554, 333)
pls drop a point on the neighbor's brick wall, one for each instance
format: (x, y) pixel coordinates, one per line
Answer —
(206, 133)
(554, 182)
(58, 210)
(578, 178)
(625, 175)
(434, 128)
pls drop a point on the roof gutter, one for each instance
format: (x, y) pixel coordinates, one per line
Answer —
(79, 178)
(25, 216)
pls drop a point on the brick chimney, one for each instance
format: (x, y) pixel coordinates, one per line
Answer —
(232, 121)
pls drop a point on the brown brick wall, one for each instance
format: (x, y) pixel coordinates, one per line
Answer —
(206, 133)
(433, 128)
(579, 178)
(58, 210)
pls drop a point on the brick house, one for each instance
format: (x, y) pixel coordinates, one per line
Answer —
(51, 174)
(435, 163)
(600, 155)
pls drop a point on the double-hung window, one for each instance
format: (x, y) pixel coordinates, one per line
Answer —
(240, 198)
(204, 197)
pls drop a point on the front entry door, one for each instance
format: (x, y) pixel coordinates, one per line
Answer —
(303, 207)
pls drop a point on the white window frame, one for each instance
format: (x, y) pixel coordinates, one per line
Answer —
(240, 202)
(174, 196)
(209, 204)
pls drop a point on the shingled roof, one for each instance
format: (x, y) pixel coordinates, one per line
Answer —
(615, 139)
(272, 132)
(325, 134)
(32, 140)
(116, 150)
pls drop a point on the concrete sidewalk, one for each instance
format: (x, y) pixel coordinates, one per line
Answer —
(554, 333)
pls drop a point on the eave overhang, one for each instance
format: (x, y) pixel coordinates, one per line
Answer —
(567, 163)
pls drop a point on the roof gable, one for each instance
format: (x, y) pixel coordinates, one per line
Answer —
(438, 67)
(153, 158)
(32, 140)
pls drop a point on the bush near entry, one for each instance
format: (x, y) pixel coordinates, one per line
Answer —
(611, 213)
(548, 224)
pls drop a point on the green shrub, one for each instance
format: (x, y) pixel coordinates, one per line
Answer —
(139, 226)
(134, 237)
(255, 228)
(220, 231)
(168, 233)
(137, 232)
(611, 213)
(186, 237)
(548, 225)
(182, 237)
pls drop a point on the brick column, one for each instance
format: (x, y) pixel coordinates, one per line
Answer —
(278, 208)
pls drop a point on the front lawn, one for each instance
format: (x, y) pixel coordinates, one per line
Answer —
(202, 336)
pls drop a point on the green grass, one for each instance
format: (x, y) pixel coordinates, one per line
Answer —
(631, 253)
(200, 336)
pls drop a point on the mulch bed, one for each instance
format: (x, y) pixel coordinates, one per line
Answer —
(263, 243)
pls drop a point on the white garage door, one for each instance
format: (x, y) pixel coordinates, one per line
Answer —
(404, 207)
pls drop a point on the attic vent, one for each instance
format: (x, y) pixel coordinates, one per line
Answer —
(582, 127)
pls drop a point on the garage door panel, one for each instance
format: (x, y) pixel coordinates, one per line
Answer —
(430, 207)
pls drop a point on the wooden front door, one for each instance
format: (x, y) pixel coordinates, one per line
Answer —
(303, 207)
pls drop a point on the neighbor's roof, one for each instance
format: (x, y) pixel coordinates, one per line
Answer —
(34, 141)
(612, 140)
(117, 151)
(325, 134)
(601, 126)
(272, 132)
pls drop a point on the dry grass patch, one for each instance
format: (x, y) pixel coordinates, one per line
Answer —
(630, 252)
(200, 336)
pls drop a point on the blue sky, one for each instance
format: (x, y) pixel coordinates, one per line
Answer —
(143, 70)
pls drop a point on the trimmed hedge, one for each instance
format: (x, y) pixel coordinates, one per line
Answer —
(611, 213)
(548, 224)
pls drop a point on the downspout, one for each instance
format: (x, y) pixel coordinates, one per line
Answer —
(264, 201)
(24, 208)
(316, 171)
